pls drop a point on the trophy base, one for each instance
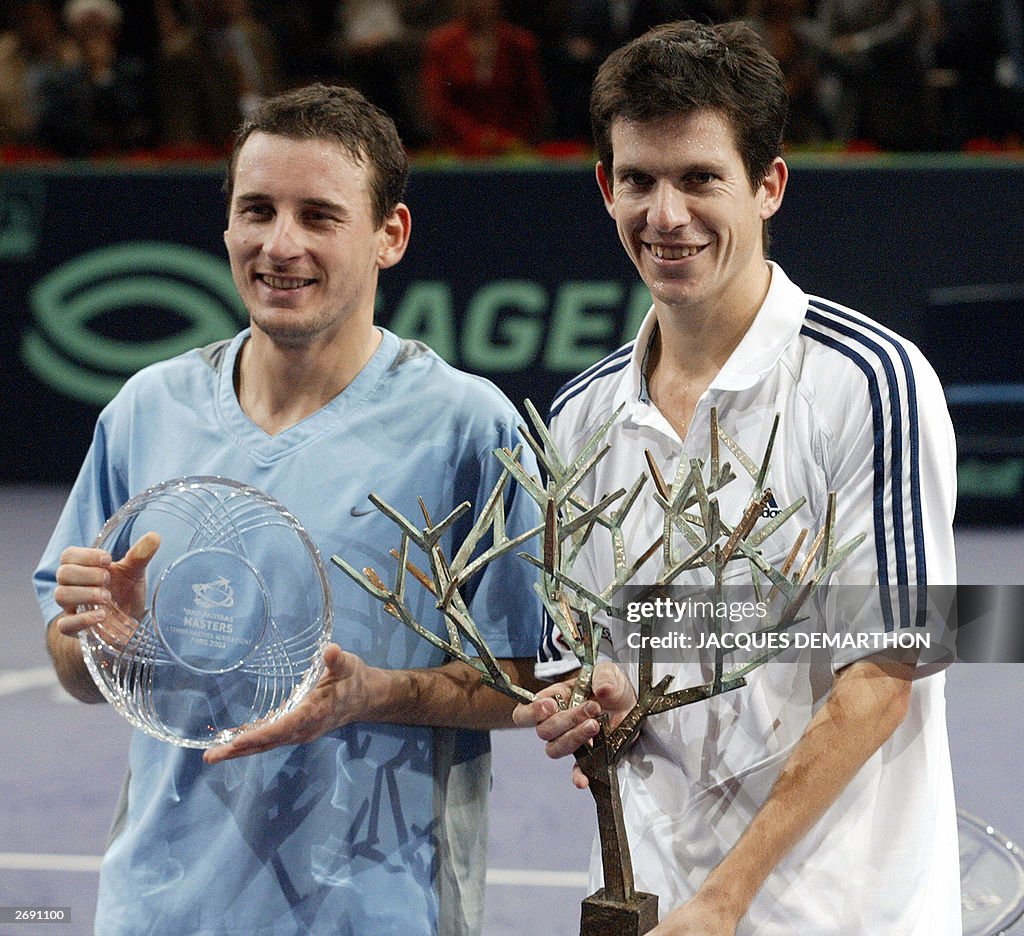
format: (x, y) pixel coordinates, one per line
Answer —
(603, 916)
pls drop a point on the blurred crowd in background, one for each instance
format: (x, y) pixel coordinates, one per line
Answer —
(165, 79)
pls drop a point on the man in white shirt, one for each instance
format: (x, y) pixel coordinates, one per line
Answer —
(817, 799)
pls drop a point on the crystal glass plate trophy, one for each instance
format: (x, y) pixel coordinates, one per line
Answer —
(229, 627)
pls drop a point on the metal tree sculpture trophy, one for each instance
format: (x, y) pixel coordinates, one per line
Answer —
(693, 536)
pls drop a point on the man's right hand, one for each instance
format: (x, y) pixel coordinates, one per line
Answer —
(108, 592)
(565, 730)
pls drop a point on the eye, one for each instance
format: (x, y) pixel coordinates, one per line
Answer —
(318, 216)
(636, 180)
(701, 178)
(254, 210)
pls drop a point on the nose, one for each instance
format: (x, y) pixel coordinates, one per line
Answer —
(282, 240)
(668, 207)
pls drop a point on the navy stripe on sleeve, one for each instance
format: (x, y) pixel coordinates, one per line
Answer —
(563, 397)
(878, 464)
(610, 364)
(895, 459)
(547, 650)
(914, 440)
(883, 465)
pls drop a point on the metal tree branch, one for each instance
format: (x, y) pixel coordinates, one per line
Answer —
(693, 536)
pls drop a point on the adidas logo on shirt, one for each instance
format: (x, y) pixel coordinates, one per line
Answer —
(772, 508)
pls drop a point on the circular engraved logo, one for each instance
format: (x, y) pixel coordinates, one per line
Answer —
(210, 610)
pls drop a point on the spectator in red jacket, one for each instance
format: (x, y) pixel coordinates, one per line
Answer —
(482, 82)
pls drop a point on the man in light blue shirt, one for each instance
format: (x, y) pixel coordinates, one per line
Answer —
(376, 823)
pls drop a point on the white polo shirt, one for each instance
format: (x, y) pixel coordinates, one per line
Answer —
(862, 414)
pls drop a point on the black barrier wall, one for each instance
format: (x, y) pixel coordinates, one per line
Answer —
(512, 273)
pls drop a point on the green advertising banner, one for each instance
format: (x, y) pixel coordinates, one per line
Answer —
(512, 273)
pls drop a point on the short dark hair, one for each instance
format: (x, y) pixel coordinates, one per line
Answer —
(343, 115)
(684, 67)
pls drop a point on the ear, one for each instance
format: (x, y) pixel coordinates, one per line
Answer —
(774, 186)
(394, 236)
(605, 185)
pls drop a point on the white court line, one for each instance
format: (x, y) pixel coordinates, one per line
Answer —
(13, 861)
(514, 877)
(530, 877)
(13, 681)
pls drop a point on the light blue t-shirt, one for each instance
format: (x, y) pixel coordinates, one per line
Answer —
(372, 829)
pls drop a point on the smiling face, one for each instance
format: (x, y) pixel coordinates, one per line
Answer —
(687, 214)
(301, 238)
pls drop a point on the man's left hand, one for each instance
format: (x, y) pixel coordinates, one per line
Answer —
(340, 697)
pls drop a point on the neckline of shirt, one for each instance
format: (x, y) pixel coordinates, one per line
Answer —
(777, 322)
(265, 447)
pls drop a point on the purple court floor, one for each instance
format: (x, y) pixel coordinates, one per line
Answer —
(61, 762)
